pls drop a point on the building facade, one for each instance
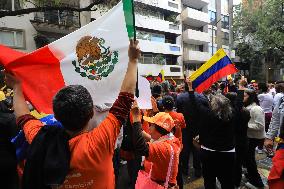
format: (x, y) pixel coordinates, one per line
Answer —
(220, 31)
(31, 31)
(158, 29)
(195, 35)
(17, 31)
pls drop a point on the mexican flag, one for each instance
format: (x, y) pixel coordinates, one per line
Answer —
(95, 56)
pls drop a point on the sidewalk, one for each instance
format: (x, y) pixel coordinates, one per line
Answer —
(264, 165)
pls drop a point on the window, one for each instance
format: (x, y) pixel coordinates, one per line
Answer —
(150, 36)
(192, 47)
(225, 38)
(174, 48)
(149, 13)
(173, 27)
(12, 38)
(225, 6)
(212, 4)
(225, 22)
(148, 58)
(174, 5)
(186, 27)
(158, 37)
(7, 5)
(214, 34)
(175, 69)
(212, 16)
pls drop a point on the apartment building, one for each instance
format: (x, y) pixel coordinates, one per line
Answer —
(195, 35)
(158, 30)
(31, 31)
(220, 31)
(17, 31)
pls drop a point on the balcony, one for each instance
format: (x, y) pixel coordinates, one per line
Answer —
(190, 56)
(198, 4)
(154, 69)
(194, 17)
(160, 48)
(195, 37)
(56, 22)
(170, 5)
(157, 24)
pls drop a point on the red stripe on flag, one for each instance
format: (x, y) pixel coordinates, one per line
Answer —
(8, 55)
(227, 70)
(41, 77)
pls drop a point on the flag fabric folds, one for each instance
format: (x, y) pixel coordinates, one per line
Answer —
(150, 77)
(95, 56)
(161, 76)
(214, 69)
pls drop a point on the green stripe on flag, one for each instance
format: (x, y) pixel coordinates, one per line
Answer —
(129, 17)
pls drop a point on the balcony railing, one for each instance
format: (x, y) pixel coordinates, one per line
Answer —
(61, 18)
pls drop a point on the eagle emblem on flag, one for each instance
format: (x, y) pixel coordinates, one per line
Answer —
(94, 60)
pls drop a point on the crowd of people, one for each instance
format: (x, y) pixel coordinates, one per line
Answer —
(223, 128)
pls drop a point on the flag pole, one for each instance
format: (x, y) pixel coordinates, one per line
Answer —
(134, 36)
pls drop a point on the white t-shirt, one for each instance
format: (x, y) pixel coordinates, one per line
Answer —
(276, 99)
(256, 124)
(266, 102)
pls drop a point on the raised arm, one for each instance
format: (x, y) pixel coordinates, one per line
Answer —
(25, 121)
(129, 82)
(19, 103)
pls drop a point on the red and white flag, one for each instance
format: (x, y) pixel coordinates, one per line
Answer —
(94, 56)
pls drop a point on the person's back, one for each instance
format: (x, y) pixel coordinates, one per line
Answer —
(8, 160)
(266, 102)
(90, 164)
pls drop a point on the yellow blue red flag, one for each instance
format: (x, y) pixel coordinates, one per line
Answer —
(217, 67)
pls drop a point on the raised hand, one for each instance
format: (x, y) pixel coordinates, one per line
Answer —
(134, 52)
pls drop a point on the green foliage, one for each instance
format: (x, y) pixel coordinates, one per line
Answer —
(260, 31)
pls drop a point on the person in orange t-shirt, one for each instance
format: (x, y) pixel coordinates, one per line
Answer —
(168, 104)
(158, 151)
(91, 152)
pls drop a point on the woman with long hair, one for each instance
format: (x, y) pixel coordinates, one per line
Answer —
(256, 134)
(216, 137)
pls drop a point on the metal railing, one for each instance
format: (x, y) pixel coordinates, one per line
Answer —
(61, 18)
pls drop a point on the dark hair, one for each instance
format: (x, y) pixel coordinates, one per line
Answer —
(252, 97)
(168, 103)
(232, 96)
(279, 88)
(165, 85)
(73, 107)
(156, 91)
(263, 87)
(161, 130)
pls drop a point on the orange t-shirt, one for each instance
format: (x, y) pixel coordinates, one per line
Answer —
(159, 155)
(91, 154)
(179, 124)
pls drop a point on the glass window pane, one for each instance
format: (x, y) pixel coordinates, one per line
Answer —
(158, 38)
(20, 39)
(7, 38)
(5, 5)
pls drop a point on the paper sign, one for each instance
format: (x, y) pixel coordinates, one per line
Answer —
(144, 100)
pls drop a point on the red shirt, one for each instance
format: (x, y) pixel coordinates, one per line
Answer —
(179, 124)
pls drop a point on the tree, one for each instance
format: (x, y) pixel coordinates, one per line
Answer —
(48, 5)
(259, 32)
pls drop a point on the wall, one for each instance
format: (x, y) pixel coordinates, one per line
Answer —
(22, 23)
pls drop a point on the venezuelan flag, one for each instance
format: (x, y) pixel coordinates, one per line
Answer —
(161, 76)
(214, 69)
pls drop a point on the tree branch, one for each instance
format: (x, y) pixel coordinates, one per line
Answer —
(49, 8)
